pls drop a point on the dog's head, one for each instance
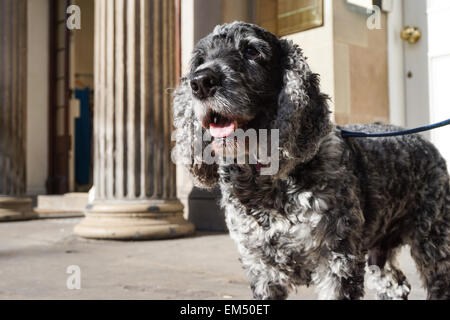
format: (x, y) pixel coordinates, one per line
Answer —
(243, 76)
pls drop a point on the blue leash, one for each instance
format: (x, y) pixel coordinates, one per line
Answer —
(357, 134)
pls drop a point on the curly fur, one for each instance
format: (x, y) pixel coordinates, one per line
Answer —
(205, 175)
(335, 201)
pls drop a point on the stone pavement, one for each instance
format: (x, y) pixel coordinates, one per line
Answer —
(34, 256)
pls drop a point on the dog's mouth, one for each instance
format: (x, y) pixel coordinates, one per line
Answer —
(221, 126)
(222, 130)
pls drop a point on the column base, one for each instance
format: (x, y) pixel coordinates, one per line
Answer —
(16, 209)
(130, 220)
(204, 211)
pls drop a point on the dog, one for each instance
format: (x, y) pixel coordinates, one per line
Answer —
(337, 207)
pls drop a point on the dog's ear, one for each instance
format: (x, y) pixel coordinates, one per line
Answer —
(189, 139)
(303, 116)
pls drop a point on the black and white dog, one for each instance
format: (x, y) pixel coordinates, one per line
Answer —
(336, 205)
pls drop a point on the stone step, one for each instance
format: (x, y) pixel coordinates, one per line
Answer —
(72, 204)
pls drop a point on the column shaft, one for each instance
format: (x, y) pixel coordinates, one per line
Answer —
(134, 75)
(13, 56)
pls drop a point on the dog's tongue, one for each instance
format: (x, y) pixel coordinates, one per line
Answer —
(221, 130)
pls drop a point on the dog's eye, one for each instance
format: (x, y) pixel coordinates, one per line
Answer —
(251, 53)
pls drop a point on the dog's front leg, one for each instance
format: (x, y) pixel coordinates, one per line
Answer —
(263, 288)
(266, 282)
(340, 276)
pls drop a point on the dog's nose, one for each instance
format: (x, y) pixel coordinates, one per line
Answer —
(204, 84)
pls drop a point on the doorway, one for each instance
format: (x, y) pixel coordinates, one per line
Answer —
(71, 99)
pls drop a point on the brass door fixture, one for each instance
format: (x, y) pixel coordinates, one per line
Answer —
(410, 34)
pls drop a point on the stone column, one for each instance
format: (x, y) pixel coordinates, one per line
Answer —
(13, 58)
(134, 178)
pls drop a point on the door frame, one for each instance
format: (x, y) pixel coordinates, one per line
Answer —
(396, 65)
